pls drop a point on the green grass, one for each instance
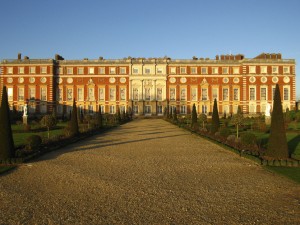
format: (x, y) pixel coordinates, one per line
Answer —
(290, 172)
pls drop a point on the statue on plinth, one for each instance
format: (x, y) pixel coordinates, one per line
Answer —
(25, 115)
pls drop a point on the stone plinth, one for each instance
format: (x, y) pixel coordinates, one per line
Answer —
(25, 119)
(268, 120)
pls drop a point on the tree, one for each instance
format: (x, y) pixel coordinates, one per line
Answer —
(194, 116)
(6, 138)
(238, 120)
(215, 118)
(171, 113)
(175, 115)
(48, 121)
(118, 114)
(203, 119)
(99, 118)
(277, 145)
(74, 129)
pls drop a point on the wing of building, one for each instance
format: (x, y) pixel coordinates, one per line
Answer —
(148, 86)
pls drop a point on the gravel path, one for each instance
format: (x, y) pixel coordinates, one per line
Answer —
(146, 172)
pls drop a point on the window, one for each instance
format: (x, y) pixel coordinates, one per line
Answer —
(136, 109)
(159, 109)
(193, 70)
(252, 69)
(225, 70)
(263, 69)
(112, 70)
(59, 109)
(101, 94)
(101, 70)
(182, 109)
(147, 70)
(80, 70)
(69, 94)
(183, 94)
(204, 109)
(147, 94)
(274, 69)
(32, 69)
(172, 70)
(225, 94)
(112, 94)
(172, 94)
(235, 94)
(135, 70)
(236, 70)
(215, 70)
(112, 109)
(80, 96)
(91, 70)
(91, 109)
(204, 70)
(252, 93)
(263, 93)
(31, 108)
(10, 94)
(59, 94)
(91, 95)
(21, 70)
(43, 69)
(43, 94)
(194, 94)
(122, 70)
(286, 69)
(159, 70)
(159, 94)
(148, 109)
(182, 70)
(285, 94)
(69, 70)
(204, 93)
(122, 108)
(21, 94)
(102, 109)
(31, 93)
(135, 94)
(215, 93)
(273, 92)
(9, 70)
(60, 70)
(123, 94)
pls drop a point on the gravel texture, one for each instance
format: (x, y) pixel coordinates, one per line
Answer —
(146, 172)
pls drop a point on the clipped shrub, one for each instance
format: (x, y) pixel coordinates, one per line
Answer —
(225, 132)
(248, 138)
(231, 138)
(33, 142)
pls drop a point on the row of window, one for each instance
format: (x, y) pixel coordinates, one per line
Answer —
(147, 94)
(159, 70)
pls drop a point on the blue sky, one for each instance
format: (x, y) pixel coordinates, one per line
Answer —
(156, 28)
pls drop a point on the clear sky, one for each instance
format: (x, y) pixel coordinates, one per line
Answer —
(153, 28)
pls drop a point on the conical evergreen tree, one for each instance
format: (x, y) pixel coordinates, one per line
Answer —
(277, 144)
(175, 115)
(6, 139)
(215, 118)
(74, 129)
(100, 124)
(171, 113)
(194, 116)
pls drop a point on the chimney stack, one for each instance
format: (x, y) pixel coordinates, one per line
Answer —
(19, 56)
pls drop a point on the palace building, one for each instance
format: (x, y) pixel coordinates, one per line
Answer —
(148, 85)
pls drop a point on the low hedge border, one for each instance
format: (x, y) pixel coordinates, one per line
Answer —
(292, 162)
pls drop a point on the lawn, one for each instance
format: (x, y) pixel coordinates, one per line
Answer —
(290, 172)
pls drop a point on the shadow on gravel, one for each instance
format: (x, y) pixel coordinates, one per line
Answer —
(99, 141)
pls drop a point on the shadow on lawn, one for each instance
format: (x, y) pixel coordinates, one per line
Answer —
(293, 143)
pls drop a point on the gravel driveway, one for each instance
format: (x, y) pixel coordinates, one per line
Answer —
(146, 172)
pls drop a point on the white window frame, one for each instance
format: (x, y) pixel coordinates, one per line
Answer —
(173, 89)
(30, 97)
(285, 87)
(147, 70)
(194, 70)
(194, 98)
(182, 109)
(21, 90)
(215, 70)
(238, 94)
(204, 97)
(225, 98)
(59, 94)
(101, 70)
(124, 89)
(103, 93)
(263, 69)
(225, 70)
(266, 96)
(91, 93)
(69, 70)
(250, 96)
(287, 68)
(183, 97)
(112, 91)
(274, 69)
(21, 70)
(204, 70)
(122, 70)
(10, 70)
(112, 109)
(10, 93)
(80, 94)
(80, 70)
(69, 99)
(172, 70)
(159, 110)
(91, 70)
(32, 70)
(135, 70)
(159, 70)
(217, 93)
(182, 70)
(43, 69)
(112, 70)
(235, 70)
(252, 69)
(43, 98)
